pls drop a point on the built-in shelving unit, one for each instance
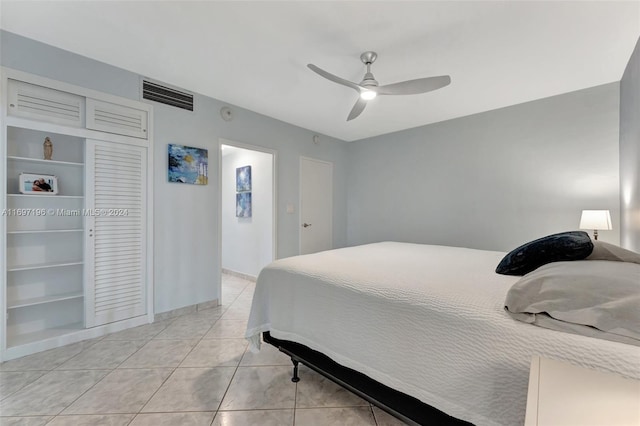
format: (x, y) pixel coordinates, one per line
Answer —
(45, 294)
(77, 263)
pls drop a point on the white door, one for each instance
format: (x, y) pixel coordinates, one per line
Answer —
(115, 230)
(316, 205)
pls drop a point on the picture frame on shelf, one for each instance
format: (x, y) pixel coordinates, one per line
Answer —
(38, 184)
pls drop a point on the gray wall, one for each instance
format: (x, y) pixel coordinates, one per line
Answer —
(492, 180)
(630, 153)
(186, 236)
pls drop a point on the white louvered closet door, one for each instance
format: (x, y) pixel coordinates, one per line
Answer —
(115, 263)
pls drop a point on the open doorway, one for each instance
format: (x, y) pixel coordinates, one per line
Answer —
(247, 216)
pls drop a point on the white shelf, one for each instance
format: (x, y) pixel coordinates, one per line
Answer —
(43, 266)
(23, 339)
(79, 197)
(44, 299)
(39, 160)
(44, 231)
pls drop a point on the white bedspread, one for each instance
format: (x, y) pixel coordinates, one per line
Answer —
(428, 321)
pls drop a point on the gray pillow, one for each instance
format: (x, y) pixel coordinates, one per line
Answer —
(606, 251)
(597, 298)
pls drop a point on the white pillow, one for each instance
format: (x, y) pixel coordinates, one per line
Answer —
(606, 251)
(597, 298)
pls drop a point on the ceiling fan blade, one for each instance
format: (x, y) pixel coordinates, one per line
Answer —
(357, 109)
(334, 78)
(414, 87)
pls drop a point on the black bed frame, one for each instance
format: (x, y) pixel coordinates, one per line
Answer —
(406, 408)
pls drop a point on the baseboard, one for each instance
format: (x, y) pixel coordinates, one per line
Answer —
(186, 310)
(208, 305)
(72, 337)
(239, 275)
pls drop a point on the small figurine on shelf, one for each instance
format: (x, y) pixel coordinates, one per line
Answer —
(48, 148)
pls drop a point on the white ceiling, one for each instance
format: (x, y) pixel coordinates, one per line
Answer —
(254, 54)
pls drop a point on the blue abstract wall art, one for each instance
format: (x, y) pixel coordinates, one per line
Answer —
(188, 164)
(243, 179)
(243, 204)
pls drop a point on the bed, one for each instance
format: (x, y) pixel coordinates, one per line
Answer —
(426, 322)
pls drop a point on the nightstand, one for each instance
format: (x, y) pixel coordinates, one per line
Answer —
(561, 394)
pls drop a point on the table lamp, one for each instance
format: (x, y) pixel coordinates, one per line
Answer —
(596, 220)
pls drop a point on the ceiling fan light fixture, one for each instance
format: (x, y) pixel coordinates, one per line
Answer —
(367, 95)
(369, 88)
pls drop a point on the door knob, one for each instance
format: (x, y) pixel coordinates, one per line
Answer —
(306, 225)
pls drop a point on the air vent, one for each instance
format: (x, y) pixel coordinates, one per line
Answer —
(164, 95)
(44, 104)
(118, 119)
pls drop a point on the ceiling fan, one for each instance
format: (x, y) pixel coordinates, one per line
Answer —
(368, 88)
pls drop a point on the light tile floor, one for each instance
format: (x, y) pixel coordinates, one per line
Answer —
(191, 370)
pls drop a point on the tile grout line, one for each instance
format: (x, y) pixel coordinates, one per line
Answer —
(183, 359)
(178, 366)
(146, 341)
(217, 410)
(44, 372)
(295, 404)
(237, 366)
(56, 369)
(215, 414)
(373, 414)
(172, 372)
(153, 394)
(110, 371)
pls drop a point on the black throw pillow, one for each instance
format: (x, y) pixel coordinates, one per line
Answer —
(574, 245)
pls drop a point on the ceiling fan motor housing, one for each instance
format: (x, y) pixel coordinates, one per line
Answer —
(369, 80)
(368, 57)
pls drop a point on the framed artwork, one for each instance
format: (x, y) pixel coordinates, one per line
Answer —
(243, 179)
(38, 184)
(188, 164)
(243, 204)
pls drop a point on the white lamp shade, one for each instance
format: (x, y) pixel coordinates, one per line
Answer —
(595, 219)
